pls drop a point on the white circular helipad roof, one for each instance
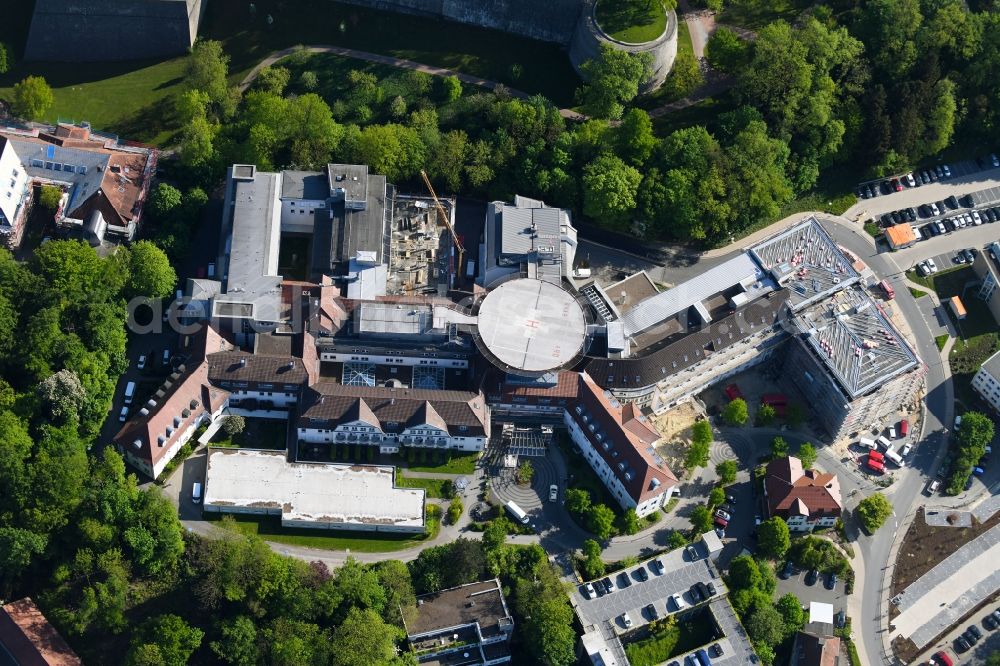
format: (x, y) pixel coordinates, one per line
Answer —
(532, 325)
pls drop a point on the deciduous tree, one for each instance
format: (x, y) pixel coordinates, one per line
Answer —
(735, 413)
(727, 471)
(773, 537)
(609, 190)
(613, 80)
(32, 98)
(873, 511)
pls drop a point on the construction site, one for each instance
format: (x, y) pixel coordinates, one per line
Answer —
(425, 253)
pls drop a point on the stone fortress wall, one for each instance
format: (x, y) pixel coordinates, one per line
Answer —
(588, 37)
(545, 20)
(103, 30)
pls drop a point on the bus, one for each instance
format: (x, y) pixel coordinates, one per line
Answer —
(887, 289)
(517, 512)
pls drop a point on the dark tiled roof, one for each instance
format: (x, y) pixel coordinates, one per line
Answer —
(567, 386)
(29, 639)
(238, 366)
(812, 650)
(630, 440)
(676, 353)
(336, 403)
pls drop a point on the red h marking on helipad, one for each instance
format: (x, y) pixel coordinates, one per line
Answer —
(531, 323)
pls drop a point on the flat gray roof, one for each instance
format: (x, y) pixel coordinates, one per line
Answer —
(740, 270)
(310, 492)
(351, 178)
(404, 319)
(309, 185)
(253, 259)
(363, 230)
(992, 366)
(532, 325)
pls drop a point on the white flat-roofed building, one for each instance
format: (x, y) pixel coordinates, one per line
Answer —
(314, 495)
(987, 381)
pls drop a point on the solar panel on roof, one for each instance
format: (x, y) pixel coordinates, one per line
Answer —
(50, 152)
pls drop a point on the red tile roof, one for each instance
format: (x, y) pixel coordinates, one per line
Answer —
(30, 639)
(792, 491)
(631, 441)
(187, 395)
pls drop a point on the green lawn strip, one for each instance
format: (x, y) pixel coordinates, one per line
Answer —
(541, 67)
(126, 98)
(668, 640)
(269, 528)
(631, 21)
(458, 463)
(941, 341)
(434, 488)
(755, 14)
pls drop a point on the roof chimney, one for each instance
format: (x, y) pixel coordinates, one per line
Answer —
(243, 362)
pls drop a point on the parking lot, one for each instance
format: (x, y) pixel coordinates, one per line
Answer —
(796, 584)
(966, 177)
(679, 574)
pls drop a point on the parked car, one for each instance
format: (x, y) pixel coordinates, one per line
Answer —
(906, 449)
(588, 591)
(911, 214)
(609, 586)
(994, 160)
(924, 178)
(789, 569)
(624, 580)
(626, 620)
(831, 581)
(932, 266)
(640, 572)
(922, 269)
(696, 594)
(166, 357)
(969, 257)
(910, 182)
(938, 171)
(990, 622)
(962, 645)
(968, 482)
(978, 471)
(951, 202)
(935, 211)
(947, 170)
(977, 219)
(716, 650)
(692, 552)
(896, 185)
(719, 513)
(651, 612)
(123, 416)
(811, 577)
(940, 227)
(553, 492)
(679, 603)
(142, 362)
(975, 631)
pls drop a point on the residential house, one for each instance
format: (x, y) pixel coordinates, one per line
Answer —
(27, 638)
(258, 382)
(804, 499)
(468, 625)
(816, 649)
(105, 182)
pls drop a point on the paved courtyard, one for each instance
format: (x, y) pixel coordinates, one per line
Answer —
(936, 600)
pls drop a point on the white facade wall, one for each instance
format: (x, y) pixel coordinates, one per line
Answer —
(347, 357)
(607, 475)
(988, 387)
(362, 433)
(177, 442)
(803, 524)
(279, 398)
(13, 185)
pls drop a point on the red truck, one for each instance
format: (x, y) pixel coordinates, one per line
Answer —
(887, 289)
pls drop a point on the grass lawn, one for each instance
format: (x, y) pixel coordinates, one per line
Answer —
(667, 641)
(458, 463)
(259, 434)
(941, 341)
(632, 21)
(434, 488)
(526, 64)
(756, 14)
(129, 99)
(269, 528)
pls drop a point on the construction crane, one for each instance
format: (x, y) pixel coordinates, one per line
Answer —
(446, 220)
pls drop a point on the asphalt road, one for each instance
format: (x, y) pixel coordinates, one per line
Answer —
(875, 550)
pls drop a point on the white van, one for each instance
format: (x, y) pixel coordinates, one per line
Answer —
(884, 443)
(894, 457)
(892, 432)
(867, 443)
(129, 392)
(196, 493)
(517, 512)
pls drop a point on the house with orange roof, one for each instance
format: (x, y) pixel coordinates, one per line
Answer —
(618, 442)
(28, 639)
(804, 498)
(105, 182)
